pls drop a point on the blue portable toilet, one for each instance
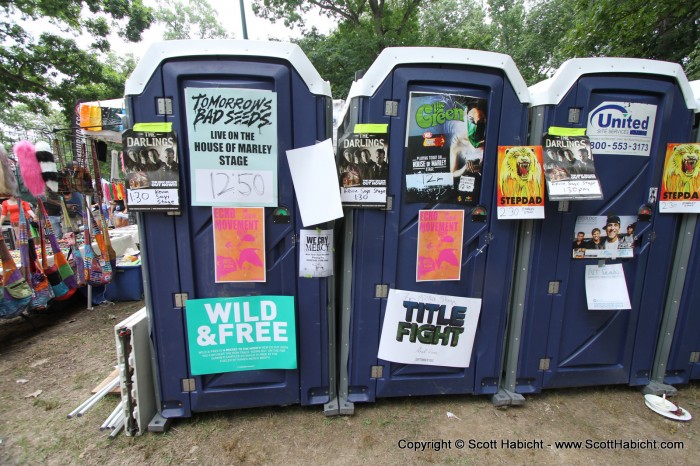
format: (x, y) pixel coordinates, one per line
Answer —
(631, 109)
(677, 358)
(381, 239)
(256, 84)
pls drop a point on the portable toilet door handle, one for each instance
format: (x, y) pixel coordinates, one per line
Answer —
(487, 239)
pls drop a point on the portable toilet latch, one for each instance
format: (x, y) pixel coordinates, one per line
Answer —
(487, 239)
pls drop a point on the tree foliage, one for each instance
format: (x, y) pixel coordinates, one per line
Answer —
(19, 122)
(62, 62)
(465, 26)
(538, 34)
(192, 19)
(67, 59)
(666, 30)
(365, 28)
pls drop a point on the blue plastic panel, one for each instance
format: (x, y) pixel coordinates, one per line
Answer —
(385, 242)
(602, 347)
(180, 256)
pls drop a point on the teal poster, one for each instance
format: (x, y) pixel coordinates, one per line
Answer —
(232, 136)
(241, 334)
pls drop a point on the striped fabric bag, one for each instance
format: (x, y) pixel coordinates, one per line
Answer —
(34, 273)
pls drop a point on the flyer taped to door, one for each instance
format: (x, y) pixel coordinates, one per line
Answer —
(440, 234)
(151, 163)
(363, 166)
(569, 168)
(680, 185)
(429, 329)
(445, 138)
(239, 244)
(520, 182)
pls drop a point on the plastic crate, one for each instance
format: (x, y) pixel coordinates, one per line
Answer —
(127, 284)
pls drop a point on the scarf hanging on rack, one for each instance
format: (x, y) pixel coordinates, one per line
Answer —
(34, 273)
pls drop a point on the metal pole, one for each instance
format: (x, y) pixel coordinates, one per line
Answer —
(110, 419)
(118, 426)
(85, 405)
(243, 24)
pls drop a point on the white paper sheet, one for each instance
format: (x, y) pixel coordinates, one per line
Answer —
(315, 179)
(606, 288)
(315, 253)
(429, 329)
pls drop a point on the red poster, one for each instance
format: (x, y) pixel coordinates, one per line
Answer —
(239, 244)
(439, 245)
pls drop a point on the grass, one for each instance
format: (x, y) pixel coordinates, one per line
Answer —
(47, 405)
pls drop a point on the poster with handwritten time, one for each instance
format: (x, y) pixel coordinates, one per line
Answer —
(232, 136)
(151, 163)
(680, 183)
(239, 244)
(444, 148)
(439, 245)
(520, 182)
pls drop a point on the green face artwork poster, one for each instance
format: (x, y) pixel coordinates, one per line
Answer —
(241, 334)
(444, 148)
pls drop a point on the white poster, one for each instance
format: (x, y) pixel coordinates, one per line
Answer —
(621, 128)
(315, 183)
(232, 136)
(606, 288)
(429, 329)
(316, 253)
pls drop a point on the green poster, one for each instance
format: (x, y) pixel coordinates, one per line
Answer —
(241, 334)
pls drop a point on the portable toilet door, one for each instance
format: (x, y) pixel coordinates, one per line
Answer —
(179, 251)
(677, 358)
(381, 245)
(631, 108)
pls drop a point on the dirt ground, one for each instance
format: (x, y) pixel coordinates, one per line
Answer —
(50, 363)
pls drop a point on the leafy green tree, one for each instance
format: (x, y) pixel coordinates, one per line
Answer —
(465, 26)
(384, 23)
(533, 33)
(365, 28)
(19, 122)
(192, 19)
(53, 66)
(666, 30)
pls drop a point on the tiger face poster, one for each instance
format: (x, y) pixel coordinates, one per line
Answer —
(520, 182)
(680, 183)
(445, 138)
